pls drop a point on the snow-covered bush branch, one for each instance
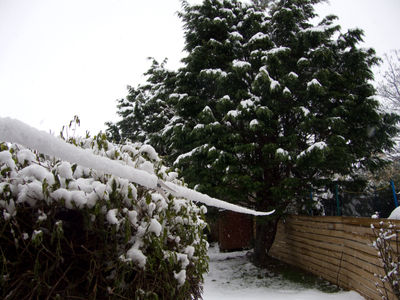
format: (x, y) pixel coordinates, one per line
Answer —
(68, 230)
(387, 244)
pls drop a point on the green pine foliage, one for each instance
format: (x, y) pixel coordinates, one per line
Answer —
(268, 106)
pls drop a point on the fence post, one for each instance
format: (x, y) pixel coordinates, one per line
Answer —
(338, 212)
(396, 203)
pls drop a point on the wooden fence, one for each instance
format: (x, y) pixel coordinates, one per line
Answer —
(338, 249)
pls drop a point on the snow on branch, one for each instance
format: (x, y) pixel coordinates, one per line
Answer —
(184, 192)
(15, 131)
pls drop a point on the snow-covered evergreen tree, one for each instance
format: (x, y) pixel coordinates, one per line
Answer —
(268, 107)
(146, 109)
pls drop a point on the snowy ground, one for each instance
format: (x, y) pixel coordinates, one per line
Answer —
(232, 276)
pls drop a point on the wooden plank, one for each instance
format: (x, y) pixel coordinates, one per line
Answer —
(337, 260)
(332, 263)
(325, 240)
(356, 221)
(357, 274)
(363, 290)
(316, 236)
(321, 225)
(369, 263)
(316, 230)
(314, 267)
(353, 248)
(366, 222)
(323, 219)
(361, 247)
(350, 232)
(359, 230)
(310, 246)
(359, 221)
(319, 244)
(335, 241)
(366, 262)
(332, 247)
(321, 269)
(365, 235)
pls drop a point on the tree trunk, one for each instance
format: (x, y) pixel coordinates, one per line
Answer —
(265, 235)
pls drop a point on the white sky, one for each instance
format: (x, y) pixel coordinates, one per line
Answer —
(60, 58)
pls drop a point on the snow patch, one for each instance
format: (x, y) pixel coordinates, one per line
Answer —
(246, 103)
(233, 113)
(214, 72)
(236, 35)
(25, 155)
(305, 110)
(155, 227)
(241, 64)
(137, 257)
(274, 84)
(274, 51)
(286, 91)
(301, 60)
(318, 145)
(151, 152)
(6, 158)
(180, 277)
(254, 123)
(395, 214)
(257, 37)
(281, 151)
(313, 82)
(112, 217)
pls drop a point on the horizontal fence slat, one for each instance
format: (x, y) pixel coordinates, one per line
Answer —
(338, 249)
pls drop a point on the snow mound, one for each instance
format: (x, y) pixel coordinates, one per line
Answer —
(395, 214)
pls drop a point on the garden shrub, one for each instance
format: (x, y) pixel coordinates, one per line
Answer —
(387, 244)
(69, 232)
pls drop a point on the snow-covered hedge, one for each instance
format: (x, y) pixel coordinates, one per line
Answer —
(66, 230)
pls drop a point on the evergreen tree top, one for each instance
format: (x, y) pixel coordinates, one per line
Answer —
(265, 102)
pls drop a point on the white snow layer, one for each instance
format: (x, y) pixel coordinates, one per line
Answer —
(155, 227)
(277, 50)
(137, 256)
(232, 277)
(313, 82)
(236, 35)
(395, 215)
(258, 36)
(281, 151)
(217, 72)
(241, 64)
(318, 145)
(254, 122)
(15, 131)
(184, 192)
(180, 277)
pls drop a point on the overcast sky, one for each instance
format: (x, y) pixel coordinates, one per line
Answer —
(60, 58)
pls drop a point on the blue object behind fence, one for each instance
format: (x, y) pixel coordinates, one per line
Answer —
(396, 203)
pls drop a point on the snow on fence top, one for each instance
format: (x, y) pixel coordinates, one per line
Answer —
(15, 131)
